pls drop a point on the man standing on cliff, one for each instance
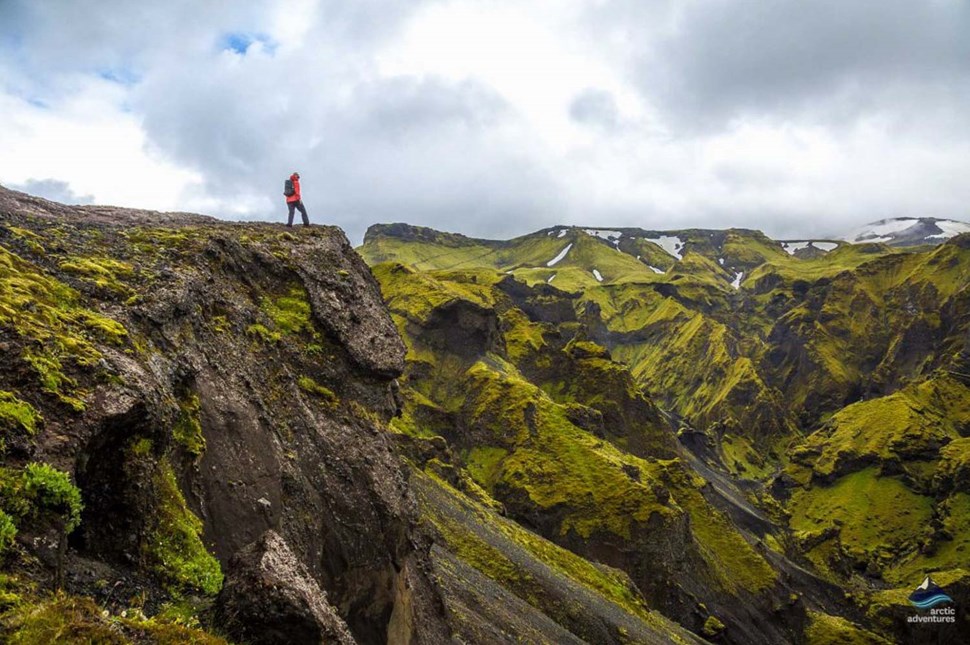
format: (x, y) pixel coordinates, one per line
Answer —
(294, 200)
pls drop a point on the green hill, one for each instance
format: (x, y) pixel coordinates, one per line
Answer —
(752, 434)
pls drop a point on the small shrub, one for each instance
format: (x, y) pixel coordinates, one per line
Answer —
(49, 489)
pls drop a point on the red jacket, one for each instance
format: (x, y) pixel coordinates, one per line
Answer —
(295, 197)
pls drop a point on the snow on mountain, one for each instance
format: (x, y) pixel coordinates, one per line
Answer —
(671, 244)
(553, 262)
(791, 247)
(907, 231)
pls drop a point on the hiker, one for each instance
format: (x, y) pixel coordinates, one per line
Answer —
(294, 201)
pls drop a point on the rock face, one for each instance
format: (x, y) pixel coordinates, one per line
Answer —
(216, 390)
(269, 598)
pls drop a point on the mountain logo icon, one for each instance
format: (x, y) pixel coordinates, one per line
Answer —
(928, 595)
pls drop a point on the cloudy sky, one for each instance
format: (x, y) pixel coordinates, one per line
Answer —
(495, 117)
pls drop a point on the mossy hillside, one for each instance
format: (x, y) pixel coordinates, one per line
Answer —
(427, 250)
(905, 428)
(592, 379)
(697, 368)
(748, 249)
(735, 563)
(413, 296)
(825, 629)
(63, 618)
(59, 334)
(790, 269)
(876, 520)
(946, 549)
(632, 307)
(897, 427)
(477, 535)
(102, 272)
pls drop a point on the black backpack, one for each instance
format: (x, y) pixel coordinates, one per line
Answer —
(288, 188)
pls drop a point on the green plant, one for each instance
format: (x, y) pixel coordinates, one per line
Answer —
(50, 490)
(173, 546)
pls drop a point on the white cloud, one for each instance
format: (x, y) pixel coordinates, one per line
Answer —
(494, 117)
(88, 140)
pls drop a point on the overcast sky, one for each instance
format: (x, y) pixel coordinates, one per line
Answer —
(495, 117)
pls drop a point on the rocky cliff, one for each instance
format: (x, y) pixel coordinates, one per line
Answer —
(217, 392)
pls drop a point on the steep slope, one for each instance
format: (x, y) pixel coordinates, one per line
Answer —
(207, 386)
(822, 397)
(509, 402)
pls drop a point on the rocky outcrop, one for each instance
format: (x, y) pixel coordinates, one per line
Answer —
(212, 386)
(270, 598)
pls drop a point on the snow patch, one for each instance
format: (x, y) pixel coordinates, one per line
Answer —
(737, 280)
(791, 247)
(603, 234)
(878, 231)
(596, 274)
(720, 261)
(656, 270)
(551, 278)
(563, 232)
(950, 229)
(670, 244)
(553, 262)
(825, 246)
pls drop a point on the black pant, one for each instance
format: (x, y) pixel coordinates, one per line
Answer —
(297, 205)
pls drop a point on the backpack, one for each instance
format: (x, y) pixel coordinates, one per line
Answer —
(288, 188)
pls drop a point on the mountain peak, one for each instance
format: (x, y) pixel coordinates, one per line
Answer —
(907, 231)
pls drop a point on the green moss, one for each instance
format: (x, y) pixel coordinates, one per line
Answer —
(264, 334)
(61, 619)
(188, 429)
(877, 518)
(173, 547)
(734, 561)
(290, 313)
(712, 627)
(483, 464)
(898, 426)
(321, 393)
(141, 447)
(8, 532)
(50, 490)
(824, 629)
(494, 546)
(17, 414)
(947, 549)
(104, 273)
(58, 330)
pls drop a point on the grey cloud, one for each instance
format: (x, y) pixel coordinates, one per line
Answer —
(368, 148)
(53, 189)
(829, 60)
(595, 107)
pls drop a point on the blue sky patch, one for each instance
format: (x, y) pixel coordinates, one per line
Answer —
(239, 42)
(120, 75)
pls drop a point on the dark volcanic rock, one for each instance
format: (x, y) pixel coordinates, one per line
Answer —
(269, 597)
